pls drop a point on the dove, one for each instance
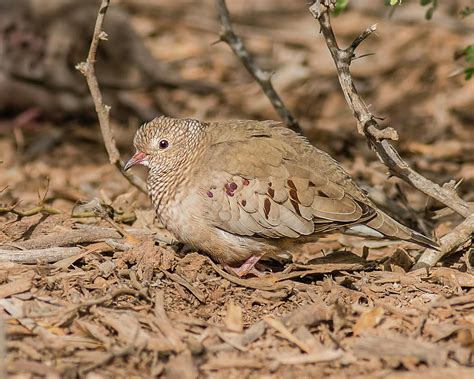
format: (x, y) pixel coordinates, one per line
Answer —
(242, 191)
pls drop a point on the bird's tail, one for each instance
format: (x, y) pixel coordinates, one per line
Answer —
(422, 240)
(382, 225)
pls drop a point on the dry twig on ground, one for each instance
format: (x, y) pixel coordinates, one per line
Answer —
(262, 77)
(34, 256)
(87, 69)
(88, 234)
(41, 208)
(457, 237)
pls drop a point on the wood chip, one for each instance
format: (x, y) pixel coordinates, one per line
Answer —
(17, 286)
(285, 332)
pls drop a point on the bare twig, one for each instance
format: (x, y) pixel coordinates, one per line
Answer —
(457, 237)
(87, 69)
(286, 333)
(262, 77)
(42, 208)
(73, 237)
(116, 292)
(367, 124)
(50, 255)
(178, 279)
(87, 304)
(379, 138)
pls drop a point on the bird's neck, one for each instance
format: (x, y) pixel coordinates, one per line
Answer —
(168, 188)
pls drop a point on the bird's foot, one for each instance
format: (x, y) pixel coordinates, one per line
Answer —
(248, 267)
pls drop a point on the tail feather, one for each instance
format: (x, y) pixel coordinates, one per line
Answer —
(392, 229)
(422, 240)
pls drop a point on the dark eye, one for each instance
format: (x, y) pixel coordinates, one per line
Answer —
(163, 144)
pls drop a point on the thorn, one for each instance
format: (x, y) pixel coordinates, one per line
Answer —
(103, 36)
(362, 56)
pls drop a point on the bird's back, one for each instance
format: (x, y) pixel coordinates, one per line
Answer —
(265, 180)
(261, 144)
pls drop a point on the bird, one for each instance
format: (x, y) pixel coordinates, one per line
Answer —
(242, 191)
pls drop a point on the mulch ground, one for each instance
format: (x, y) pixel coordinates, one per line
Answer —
(116, 296)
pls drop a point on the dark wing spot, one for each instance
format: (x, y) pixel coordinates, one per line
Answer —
(294, 195)
(246, 182)
(322, 194)
(230, 188)
(291, 184)
(228, 191)
(296, 207)
(244, 202)
(271, 192)
(270, 184)
(210, 194)
(266, 208)
(311, 184)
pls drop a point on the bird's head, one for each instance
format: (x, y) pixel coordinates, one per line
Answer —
(166, 144)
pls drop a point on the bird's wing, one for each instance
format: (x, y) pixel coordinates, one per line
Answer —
(262, 184)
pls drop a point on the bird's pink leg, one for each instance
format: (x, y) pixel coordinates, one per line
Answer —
(248, 267)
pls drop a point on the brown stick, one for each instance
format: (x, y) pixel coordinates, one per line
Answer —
(50, 255)
(457, 237)
(88, 234)
(367, 124)
(42, 208)
(262, 77)
(378, 138)
(87, 69)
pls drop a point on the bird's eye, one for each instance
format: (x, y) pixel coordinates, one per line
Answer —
(163, 144)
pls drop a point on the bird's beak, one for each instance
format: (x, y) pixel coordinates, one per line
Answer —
(138, 158)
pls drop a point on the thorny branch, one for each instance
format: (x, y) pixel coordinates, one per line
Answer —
(262, 77)
(367, 123)
(87, 69)
(379, 138)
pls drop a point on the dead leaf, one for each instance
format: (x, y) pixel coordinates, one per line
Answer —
(368, 320)
(233, 319)
(19, 285)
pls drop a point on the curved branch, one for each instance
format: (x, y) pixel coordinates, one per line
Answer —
(262, 77)
(379, 138)
(87, 69)
(367, 124)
